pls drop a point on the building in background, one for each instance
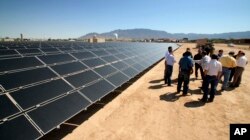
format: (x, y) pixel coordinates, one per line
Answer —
(21, 36)
(95, 39)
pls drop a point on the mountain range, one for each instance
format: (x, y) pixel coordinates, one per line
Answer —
(148, 33)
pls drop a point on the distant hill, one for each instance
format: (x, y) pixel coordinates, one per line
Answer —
(148, 33)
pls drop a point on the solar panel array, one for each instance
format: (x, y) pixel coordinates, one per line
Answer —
(44, 84)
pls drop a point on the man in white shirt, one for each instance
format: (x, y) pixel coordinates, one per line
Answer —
(204, 61)
(212, 73)
(169, 69)
(166, 56)
(241, 64)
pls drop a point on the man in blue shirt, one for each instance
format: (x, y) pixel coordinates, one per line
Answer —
(185, 69)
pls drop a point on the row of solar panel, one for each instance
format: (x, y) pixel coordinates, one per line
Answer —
(35, 105)
(33, 52)
(19, 79)
(65, 107)
(26, 62)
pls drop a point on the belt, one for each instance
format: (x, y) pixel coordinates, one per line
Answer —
(212, 75)
(226, 67)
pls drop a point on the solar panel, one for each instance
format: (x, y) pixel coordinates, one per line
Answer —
(94, 62)
(129, 61)
(100, 53)
(7, 52)
(49, 116)
(97, 90)
(7, 108)
(69, 68)
(18, 63)
(43, 91)
(14, 80)
(118, 79)
(120, 65)
(18, 128)
(110, 58)
(121, 56)
(29, 51)
(50, 59)
(83, 55)
(83, 78)
(35, 95)
(65, 49)
(138, 67)
(113, 51)
(130, 72)
(49, 50)
(105, 70)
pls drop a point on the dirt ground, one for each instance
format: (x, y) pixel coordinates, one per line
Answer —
(150, 110)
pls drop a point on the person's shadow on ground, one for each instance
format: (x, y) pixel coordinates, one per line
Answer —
(194, 104)
(156, 81)
(170, 97)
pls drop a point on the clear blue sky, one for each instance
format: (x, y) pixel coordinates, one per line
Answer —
(73, 18)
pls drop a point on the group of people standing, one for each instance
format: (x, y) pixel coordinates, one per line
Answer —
(212, 68)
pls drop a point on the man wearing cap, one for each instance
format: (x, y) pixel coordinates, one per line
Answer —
(212, 72)
(241, 64)
(227, 62)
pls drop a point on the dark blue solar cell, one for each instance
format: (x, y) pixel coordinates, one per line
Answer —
(7, 108)
(14, 80)
(138, 67)
(97, 90)
(94, 62)
(50, 59)
(65, 49)
(18, 128)
(120, 65)
(53, 114)
(83, 55)
(35, 95)
(121, 56)
(83, 78)
(29, 51)
(18, 63)
(7, 52)
(49, 50)
(105, 70)
(130, 72)
(100, 53)
(118, 79)
(110, 58)
(69, 68)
